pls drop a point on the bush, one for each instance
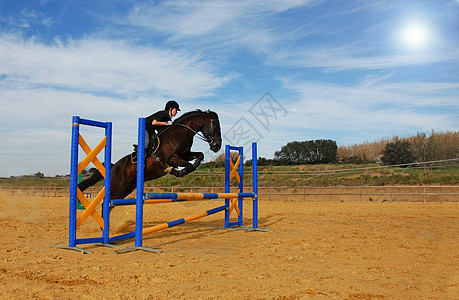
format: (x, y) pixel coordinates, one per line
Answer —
(39, 175)
(307, 152)
(397, 153)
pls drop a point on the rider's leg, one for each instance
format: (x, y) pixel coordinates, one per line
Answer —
(147, 139)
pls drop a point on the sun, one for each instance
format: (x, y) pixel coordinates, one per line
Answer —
(414, 35)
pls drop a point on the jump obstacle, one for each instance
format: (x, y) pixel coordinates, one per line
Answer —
(233, 201)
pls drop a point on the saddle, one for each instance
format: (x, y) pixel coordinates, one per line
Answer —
(150, 152)
(154, 144)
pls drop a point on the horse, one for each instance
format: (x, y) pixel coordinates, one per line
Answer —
(173, 154)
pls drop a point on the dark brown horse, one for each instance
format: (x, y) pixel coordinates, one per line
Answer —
(174, 152)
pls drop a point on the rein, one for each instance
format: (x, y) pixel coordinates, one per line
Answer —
(198, 134)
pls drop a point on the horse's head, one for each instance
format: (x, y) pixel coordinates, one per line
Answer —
(204, 122)
(211, 131)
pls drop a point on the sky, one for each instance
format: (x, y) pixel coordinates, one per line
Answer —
(274, 71)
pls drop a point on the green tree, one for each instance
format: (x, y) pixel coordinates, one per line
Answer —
(328, 151)
(307, 152)
(39, 175)
(398, 152)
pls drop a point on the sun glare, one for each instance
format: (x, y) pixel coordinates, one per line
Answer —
(414, 36)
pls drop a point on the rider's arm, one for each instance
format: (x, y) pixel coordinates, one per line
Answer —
(155, 122)
(158, 123)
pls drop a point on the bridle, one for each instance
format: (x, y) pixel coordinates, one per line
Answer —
(210, 140)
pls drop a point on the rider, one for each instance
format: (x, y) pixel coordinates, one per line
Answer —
(156, 122)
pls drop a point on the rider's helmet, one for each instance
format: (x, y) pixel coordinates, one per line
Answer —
(172, 104)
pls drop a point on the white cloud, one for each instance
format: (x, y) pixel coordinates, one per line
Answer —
(198, 18)
(215, 24)
(107, 66)
(343, 58)
(377, 107)
(43, 86)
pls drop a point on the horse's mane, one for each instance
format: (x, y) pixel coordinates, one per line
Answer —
(188, 115)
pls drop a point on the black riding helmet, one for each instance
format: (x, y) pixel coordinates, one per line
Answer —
(172, 104)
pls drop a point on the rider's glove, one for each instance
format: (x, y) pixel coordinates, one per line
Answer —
(169, 123)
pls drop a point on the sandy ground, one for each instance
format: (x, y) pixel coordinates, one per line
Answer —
(330, 250)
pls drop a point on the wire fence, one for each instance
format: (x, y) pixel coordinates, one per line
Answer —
(428, 165)
(425, 193)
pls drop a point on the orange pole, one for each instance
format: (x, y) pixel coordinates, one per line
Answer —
(92, 155)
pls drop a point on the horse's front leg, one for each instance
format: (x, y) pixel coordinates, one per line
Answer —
(198, 157)
(184, 162)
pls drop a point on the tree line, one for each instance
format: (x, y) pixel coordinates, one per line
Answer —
(418, 148)
(421, 147)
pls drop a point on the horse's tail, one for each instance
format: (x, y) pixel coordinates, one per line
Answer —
(95, 177)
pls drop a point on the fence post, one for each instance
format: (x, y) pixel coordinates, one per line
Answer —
(107, 183)
(73, 180)
(254, 185)
(140, 182)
